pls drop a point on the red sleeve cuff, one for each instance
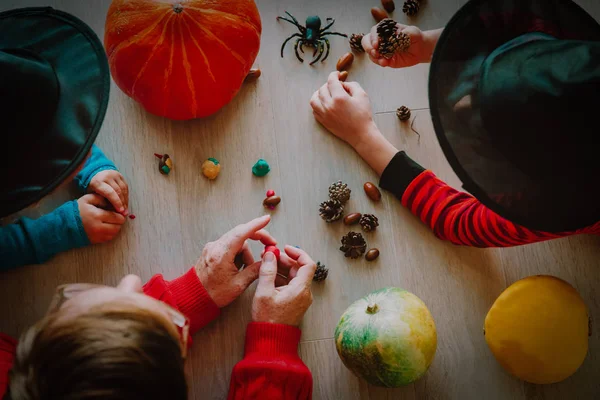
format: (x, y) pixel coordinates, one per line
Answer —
(272, 340)
(193, 300)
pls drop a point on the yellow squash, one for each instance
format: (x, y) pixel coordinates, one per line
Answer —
(538, 329)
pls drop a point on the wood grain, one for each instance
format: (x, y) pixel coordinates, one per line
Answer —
(271, 119)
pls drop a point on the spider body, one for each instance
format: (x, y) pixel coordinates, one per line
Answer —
(311, 35)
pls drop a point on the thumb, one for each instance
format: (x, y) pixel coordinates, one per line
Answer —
(267, 275)
(248, 275)
(353, 88)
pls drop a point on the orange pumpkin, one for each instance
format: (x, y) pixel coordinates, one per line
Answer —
(182, 59)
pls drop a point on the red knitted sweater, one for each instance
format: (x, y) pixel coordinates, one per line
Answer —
(271, 368)
(457, 216)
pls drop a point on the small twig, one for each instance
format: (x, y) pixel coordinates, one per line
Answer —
(413, 129)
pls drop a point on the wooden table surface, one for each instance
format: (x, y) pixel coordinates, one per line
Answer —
(271, 119)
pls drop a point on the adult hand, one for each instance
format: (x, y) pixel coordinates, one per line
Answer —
(421, 47)
(284, 304)
(216, 267)
(344, 109)
(100, 225)
(111, 185)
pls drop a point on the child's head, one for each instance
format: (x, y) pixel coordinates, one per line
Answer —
(102, 343)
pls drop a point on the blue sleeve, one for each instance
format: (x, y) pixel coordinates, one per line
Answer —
(96, 163)
(35, 241)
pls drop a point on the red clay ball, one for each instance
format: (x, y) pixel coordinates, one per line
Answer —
(270, 193)
(273, 250)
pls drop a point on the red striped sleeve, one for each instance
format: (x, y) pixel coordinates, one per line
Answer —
(461, 219)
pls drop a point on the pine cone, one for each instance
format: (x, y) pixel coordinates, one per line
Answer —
(321, 272)
(411, 7)
(403, 113)
(353, 245)
(356, 42)
(339, 191)
(368, 222)
(331, 210)
(386, 28)
(399, 42)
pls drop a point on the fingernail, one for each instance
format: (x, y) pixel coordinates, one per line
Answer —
(298, 247)
(269, 257)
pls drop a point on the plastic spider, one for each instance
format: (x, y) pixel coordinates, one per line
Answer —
(310, 35)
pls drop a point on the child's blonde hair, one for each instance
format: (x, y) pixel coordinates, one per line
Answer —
(125, 354)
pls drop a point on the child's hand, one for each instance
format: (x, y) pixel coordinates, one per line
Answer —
(420, 51)
(111, 185)
(99, 224)
(344, 109)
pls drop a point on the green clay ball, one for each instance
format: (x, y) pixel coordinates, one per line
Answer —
(261, 168)
(165, 170)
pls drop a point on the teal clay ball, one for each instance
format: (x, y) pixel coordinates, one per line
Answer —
(261, 168)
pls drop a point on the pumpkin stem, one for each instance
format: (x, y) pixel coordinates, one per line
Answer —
(178, 8)
(372, 308)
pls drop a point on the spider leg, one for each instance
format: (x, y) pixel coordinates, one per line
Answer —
(328, 25)
(334, 33)
(293, 21)
(316, 48)
(298, 42)
(327, 52)
(321, 49)
(287, 40)
(292, 17)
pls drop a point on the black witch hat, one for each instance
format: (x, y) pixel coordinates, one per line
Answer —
(514, 92)
(54, 89)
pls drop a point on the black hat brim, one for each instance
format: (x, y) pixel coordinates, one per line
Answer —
(476, 30)
(81, 67)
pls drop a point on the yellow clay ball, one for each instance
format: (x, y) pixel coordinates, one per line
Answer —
(538, 329)
(211, 168)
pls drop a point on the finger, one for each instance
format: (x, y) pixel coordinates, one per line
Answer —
(334, 85)
(315, 102)
(367, 44)
(286, 263)
(384, 62)
(353, 88)
(95, 200)
(235, 238)
(324, 95)
(264, 237)
(306, 270)
(267, 275)
(110, 217)
(108, 192)
(374, 37)
(411, 30)
(119, 190)
(125, 191)
(247, 257)
(249, 274)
